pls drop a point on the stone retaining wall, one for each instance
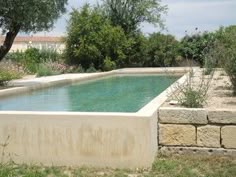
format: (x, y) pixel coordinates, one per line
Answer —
(186, 129)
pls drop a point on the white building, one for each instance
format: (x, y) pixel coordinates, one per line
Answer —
(21, 43)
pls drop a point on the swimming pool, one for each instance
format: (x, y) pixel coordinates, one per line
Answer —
(101, 139)
(120, 93)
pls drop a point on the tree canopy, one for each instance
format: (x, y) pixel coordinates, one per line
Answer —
(93, 41)
(129, 14)
(27, 16)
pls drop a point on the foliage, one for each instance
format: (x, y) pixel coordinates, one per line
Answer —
(193, 93)
(225, 52)
(50, 68)
(108, 64)
(130, 14)
(230, 67)
(164, 166)
(162, 50)
(91, 69)
(91, 39)
(49, 55)
(32, 59)
(75, 69)
(7, 75)
(27, 16)
(15, 56)
(197, 45)
(137, 52)
(9, 71)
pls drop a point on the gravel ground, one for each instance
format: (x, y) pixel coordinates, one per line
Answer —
(219, 94)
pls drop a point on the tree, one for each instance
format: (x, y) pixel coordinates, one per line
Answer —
(91, 40)
(27, 16)
(226, 52)
(129, 14)
(162, 50)
(197, 45)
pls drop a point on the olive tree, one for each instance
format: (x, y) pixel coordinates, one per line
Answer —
(27, 16)
(129, 14)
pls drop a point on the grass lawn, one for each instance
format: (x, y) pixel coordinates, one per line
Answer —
(164, 166)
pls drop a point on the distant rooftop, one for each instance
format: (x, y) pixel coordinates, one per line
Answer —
(34, 39)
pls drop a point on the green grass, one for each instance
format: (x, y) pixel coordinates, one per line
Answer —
(164, 166)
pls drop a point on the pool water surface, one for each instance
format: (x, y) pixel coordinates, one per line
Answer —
(127, 93)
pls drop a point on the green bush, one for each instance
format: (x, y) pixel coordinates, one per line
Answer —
(162, 50)
(75, 69)
(44, 70)
(15, 56)
(32, 59)
(7, 75)
(196, 46)
(91, 69)
(49, 55)
(91, 38)
(230, 67)
(108, 64)
(50, 68)
(225, 52)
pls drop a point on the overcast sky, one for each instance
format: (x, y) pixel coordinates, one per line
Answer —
(183, 15)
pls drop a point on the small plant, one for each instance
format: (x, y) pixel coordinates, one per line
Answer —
(7, 75)
(193, 93)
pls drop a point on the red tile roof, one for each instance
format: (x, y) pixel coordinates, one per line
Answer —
(34, 39)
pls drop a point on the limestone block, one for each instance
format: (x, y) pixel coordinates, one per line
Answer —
(222, 116)
(208, 136)
(183, 115)
(228, 134)
(177, 134)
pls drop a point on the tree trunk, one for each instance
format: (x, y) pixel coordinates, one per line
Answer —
(9, 39)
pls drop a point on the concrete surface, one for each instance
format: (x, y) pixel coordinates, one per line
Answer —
(119, 140)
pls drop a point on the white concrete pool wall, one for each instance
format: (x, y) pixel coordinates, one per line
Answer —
(120, 140)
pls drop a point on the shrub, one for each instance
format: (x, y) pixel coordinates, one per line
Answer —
(49, 55)
(15, 56)
(32, 59)
(193, 93)
(50, 68)
(108, 64)
(197, 45)
(91, 69)
(230, 67)
(91, 38)
(44, 70)
(75, 69)
(226, 54)
(7, 75)
(162, 50)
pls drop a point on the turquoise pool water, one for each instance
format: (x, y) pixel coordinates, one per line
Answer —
(111, 94)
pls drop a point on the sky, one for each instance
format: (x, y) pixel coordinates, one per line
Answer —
(182, 16)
